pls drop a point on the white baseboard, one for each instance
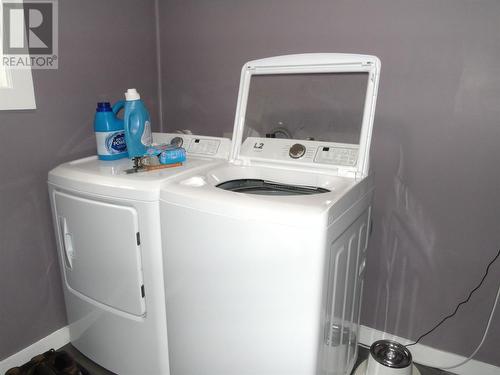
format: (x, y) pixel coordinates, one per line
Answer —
(55, 340)
(422, 354)
(429, 356)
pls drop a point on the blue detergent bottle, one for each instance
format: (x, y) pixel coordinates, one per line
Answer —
(137, 125)
(109, 132)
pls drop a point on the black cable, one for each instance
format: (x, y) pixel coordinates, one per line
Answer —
(461, 303)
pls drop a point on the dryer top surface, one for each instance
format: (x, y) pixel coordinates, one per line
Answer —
(109, 178)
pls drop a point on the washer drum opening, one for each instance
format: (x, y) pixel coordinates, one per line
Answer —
(263, 187)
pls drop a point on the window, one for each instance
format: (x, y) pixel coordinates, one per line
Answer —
(16, 85)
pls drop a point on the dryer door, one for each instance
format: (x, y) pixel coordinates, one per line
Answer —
(99, 246)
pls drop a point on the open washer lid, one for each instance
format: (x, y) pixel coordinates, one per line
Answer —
(314, 110)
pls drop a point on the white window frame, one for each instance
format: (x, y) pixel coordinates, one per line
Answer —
(16, 84)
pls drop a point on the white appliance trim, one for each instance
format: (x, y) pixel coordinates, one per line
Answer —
(56, 340)
(430, 356)
(311, 63)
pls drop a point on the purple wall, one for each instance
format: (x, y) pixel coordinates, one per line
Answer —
(435, 147)
(104, 47)
(435, 152)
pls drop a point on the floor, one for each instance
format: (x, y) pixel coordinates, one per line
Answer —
(424, 370)
(98, 370)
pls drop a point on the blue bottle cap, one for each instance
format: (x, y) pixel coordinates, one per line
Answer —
(103, 107)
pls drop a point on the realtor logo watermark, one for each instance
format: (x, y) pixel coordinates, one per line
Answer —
(30, 34)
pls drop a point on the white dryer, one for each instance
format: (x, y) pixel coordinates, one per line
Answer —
(264, 255)
(107, 226)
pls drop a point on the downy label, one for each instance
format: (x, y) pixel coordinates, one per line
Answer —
(111, 143)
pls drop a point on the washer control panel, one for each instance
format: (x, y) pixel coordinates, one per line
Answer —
(337, 155)
(329, 153)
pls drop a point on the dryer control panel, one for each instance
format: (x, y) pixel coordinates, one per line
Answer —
(203, 146)
(316, 152)
(197, 145)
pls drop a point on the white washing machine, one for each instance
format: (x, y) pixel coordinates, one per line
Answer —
(107, 226)
(264, 255)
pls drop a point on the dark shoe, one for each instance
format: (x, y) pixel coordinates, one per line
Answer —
(50, 363)
(41, 369)
(29, 366)
(14, 371)
(42, 357)
(63, 364)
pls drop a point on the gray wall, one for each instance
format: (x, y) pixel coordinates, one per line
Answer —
(435, 151)
(435, 145)
(105, 47)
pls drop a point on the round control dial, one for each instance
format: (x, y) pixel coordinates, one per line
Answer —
(177, 141)
(297, 151)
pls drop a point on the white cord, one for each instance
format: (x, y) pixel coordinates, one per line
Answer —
(492, 313)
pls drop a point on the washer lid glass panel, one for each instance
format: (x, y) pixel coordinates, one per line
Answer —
(323, 107)
(318, 114)
(326, 107)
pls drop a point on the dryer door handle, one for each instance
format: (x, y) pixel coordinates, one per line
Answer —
(67, 243)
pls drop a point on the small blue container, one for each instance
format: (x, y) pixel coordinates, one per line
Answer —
(176, 155)
(109, 132)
